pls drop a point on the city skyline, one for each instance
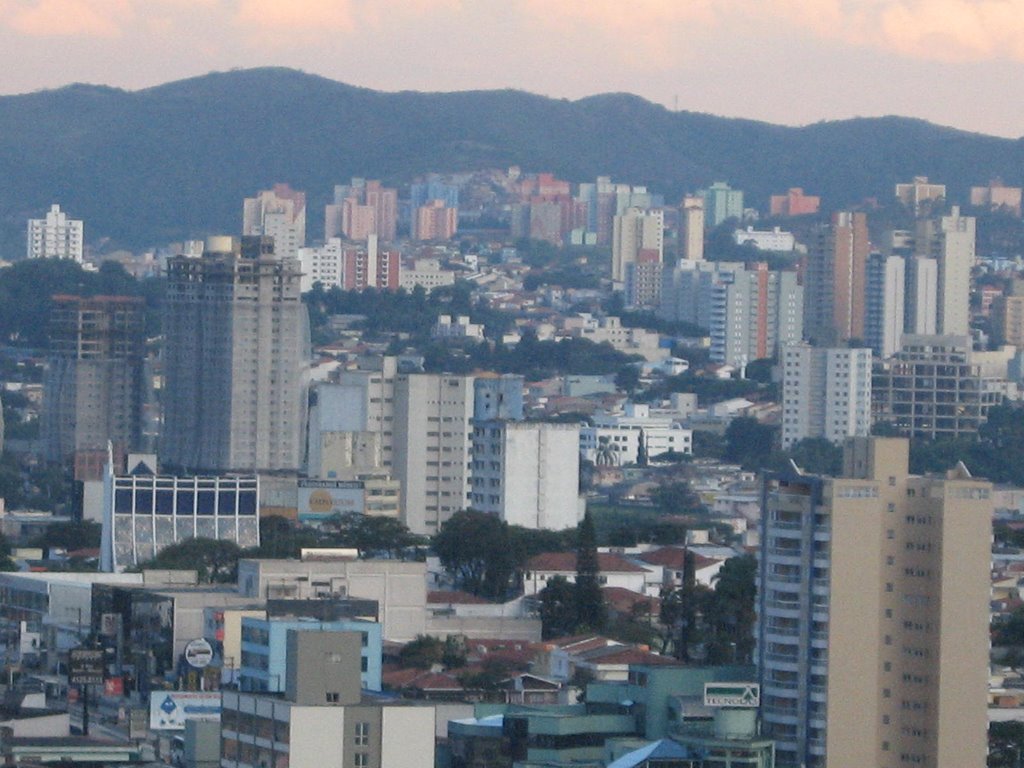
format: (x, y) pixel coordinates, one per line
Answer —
(941, 60)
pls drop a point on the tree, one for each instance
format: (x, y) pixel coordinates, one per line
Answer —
(422, 653)
(215, 561)
(558, 612)
(476, 549)
(676, 498)
(817, 456)
(1005, 744)
(372, 535)
(69, 536)
(6, 563)
(748, 442)
(641, 451)
(730, 613)
(590, 610)
(283, 538)
(627, 379)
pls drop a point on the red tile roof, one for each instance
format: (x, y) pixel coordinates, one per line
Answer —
(622, 600)
(630, 655)
(565, 562)
(673, 557)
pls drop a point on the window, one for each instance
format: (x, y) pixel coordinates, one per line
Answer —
(362, 737)
(333, 697)
(361, 760)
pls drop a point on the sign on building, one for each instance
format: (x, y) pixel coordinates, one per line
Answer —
(85, 666)
(747, 695)
(321, 499)
(168, 710)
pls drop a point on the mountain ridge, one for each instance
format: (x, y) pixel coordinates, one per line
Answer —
(175, 160)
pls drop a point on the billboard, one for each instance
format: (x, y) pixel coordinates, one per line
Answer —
(746, 695)
(321, 499)
(168, 710)
(85, 666)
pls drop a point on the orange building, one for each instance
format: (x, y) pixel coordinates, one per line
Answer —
(794, 203)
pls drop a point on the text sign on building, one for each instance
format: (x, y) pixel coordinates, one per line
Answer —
(732, 695)
(318, 499)
(85, 666)
(168, 710)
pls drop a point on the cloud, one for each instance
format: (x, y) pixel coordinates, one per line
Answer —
(66, 18)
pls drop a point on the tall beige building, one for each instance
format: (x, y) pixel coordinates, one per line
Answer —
(634, 231)
(873, 614)
(952, 246)
(236, 359)
(1008, 314)
(432, 447)
(691, 229)
(835, 280)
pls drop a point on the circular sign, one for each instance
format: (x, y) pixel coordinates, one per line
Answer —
(321, 502)
(199, 653)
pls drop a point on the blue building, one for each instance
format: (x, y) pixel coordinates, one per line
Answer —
(265, 650)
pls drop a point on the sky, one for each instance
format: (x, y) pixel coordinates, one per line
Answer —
(953, 62)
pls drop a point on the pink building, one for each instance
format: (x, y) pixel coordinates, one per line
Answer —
(435, 222)
(794, 203)
(370, 268)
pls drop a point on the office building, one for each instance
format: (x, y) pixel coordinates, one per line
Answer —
(527, 473)
(634, 231)
(323, 719)
(279, 213)
(721, 202)
(145, 512)
(826, 392)
(55, 236)
(885, 309)
(264, 649)
(766, 240)
(236, 356)
(794, 203)
(431, 447)
(691, 229)
(94, 386)
(835, 279)
(872, 614)
(615, 438)
(933, 388)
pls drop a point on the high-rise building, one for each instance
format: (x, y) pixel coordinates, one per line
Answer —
(922, 295)
(835, 278)
(435, 221)
(721, 202)
(918, 194)
(432, 446)
(933, 387)
(884, 312)
(350, 266)
(691, 229)
(749, 310)
(279, 213)
(872, 614)
(236, 357)
(55, 236)
(634, 231)
(952, 246)
(360, 209)
(94, 388)
(643, 280)
(826, 392)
